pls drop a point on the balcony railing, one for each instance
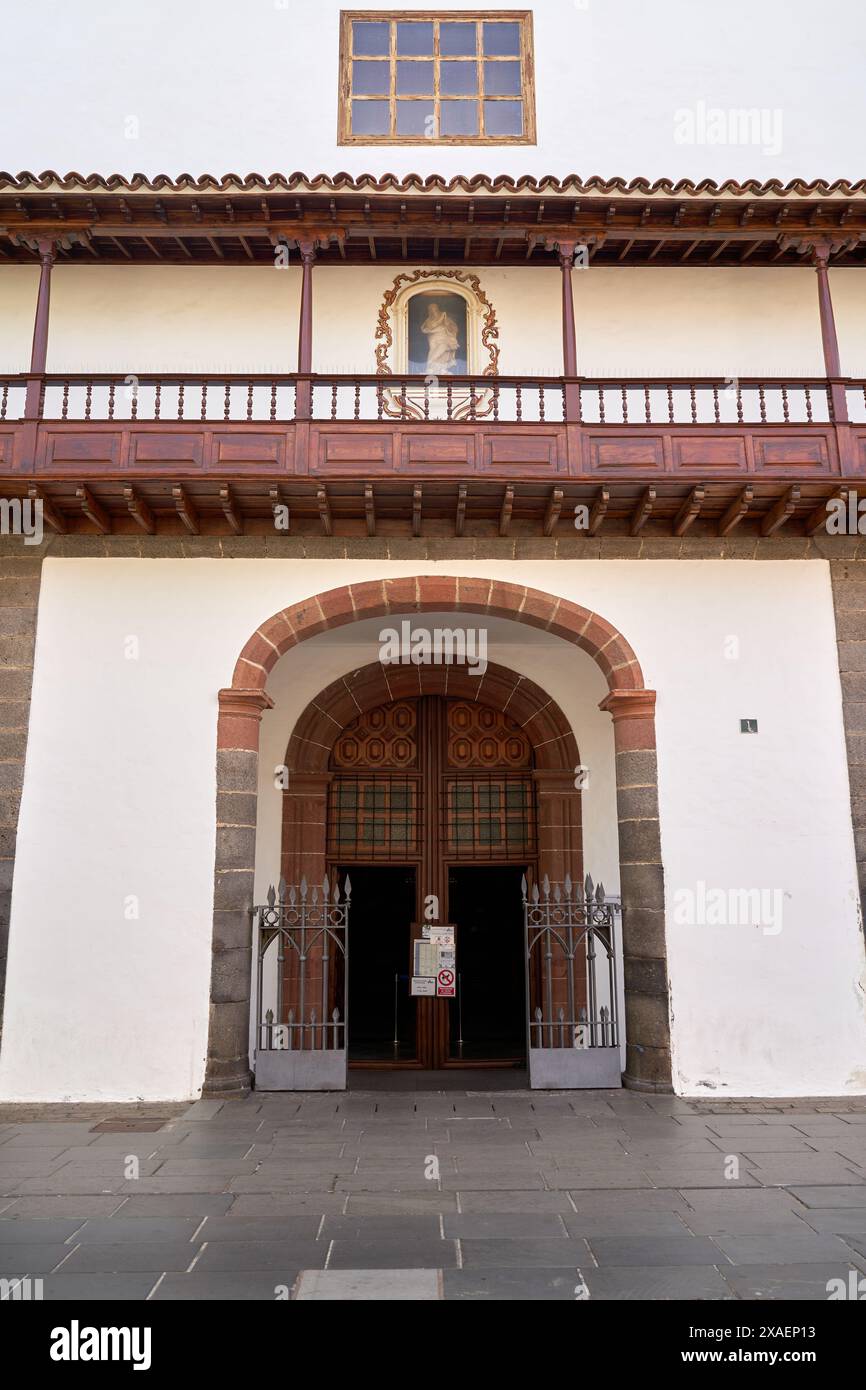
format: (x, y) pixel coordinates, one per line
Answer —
(168, 398)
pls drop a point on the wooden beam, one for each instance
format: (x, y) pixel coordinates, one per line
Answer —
(50, 514)
(736, 511)
(779, 514)
(599, 510)
(325, 511)
(689, 511)
(185, 509)
(230, 510)
(93, 510)
(417, 495)
(817, 520)
(505, 511)
(460, 519)
(370, 509)
(643, 511)
(139, 511)
(552, 511)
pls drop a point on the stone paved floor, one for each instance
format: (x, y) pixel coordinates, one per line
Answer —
(431, 1194)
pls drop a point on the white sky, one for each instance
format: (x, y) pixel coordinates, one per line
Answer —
(222, 86)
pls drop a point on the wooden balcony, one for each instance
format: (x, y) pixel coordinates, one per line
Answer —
(367, 454)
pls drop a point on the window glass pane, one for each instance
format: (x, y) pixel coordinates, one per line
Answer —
(502, 40)
(415, 79)
(501, 79)
(371, 79)
(459, 118)
(415, 40)
(413, 118)
(461, 79)
(503, 117)
(371, 40)
(457, 40)
(371, 118)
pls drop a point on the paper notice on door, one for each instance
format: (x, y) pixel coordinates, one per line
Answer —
(426, 958)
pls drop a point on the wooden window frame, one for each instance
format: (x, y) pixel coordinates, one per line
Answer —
(345, 135)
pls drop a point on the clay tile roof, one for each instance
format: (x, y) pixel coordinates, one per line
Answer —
(570, 185)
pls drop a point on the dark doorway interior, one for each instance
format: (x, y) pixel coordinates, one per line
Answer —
(486, 905)
(383, 908)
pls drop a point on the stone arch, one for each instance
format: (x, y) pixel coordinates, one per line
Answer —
(630, 704)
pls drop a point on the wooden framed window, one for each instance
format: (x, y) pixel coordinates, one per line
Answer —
(456, 77)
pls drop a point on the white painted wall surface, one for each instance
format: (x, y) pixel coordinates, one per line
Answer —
(631, 321)
(228, 86)
(120, 783)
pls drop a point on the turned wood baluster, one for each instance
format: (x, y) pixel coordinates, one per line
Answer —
(249, 400)
(379, 401)
(624, 396)
(64, 409)
(541, 403)
(227, 401)
(739, 404)
(785, 411)
(204, 400)
(156, 400)
(449, 404)
(647, 408)
(716, 412)
(111, 400)
(601, 404)
(180, 391)
(670, 404)
(273, 400)
(426, 399)
(762, 400)
(357, 409)
(4, 400)
(693, 401)
(333, 400)
(808, 405)
(519, 401)
(88, 398)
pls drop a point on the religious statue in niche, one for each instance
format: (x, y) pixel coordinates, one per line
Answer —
(437, 323)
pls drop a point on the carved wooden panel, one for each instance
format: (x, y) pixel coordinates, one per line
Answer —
(385, 737)
(478, 737)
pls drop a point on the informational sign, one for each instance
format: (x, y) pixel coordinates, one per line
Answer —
(442, 936)
(447, 957)
(445, 986)
(423, 984)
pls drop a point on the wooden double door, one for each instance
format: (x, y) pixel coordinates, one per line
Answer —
(431, 815)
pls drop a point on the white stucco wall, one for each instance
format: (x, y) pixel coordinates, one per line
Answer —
(228, 86)
(119, 800)
(630, 321)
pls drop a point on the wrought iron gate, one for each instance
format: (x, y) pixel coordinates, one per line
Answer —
(571, 986)
(302, 988)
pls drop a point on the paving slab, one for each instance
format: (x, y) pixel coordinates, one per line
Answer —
(136, 1256)
(481, 1284)
(279, 1255)
(657, 1283)
(382, 1285)
(545, 1253)
(798, 1283)
(248, 1285)
(645, 1251)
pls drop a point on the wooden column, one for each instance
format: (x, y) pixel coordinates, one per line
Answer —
(819, 250)
(47, 248)
(566, 251)
(305, 332)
